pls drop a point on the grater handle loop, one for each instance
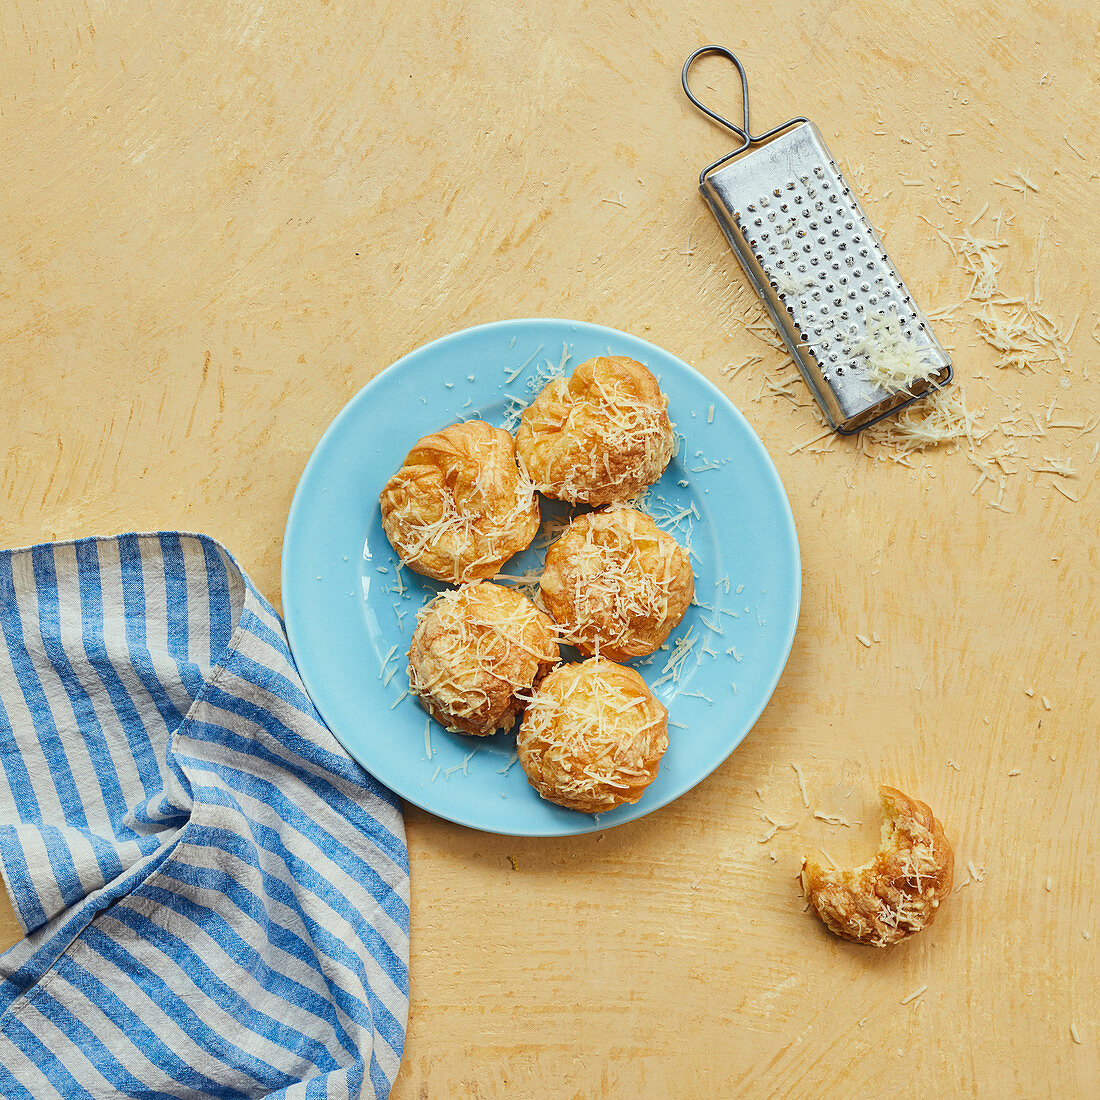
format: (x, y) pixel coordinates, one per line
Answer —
(747, 137)
(741, 131)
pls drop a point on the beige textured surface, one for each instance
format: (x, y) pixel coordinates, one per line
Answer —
(220, 219)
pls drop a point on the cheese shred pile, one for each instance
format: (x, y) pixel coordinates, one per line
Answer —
(1024, 337)
(893, 360)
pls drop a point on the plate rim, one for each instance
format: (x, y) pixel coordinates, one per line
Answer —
(586, 823)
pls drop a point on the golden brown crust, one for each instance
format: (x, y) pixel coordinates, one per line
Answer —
(592, 737)
(900, 891)
(616, 583)
(602, 435)
(475, 653)
(459, 507)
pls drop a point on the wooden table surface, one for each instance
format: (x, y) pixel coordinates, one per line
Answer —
(220, 218)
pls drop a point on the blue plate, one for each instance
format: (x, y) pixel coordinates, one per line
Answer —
(350, 612)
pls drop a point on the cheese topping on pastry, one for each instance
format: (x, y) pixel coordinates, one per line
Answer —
(900, 891)
(602, 435)
(616, 583)
(477, 651)
(592, 736)
(460, 506)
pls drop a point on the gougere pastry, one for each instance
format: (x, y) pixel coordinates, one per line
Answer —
(475, 651)
(899, 892)
(460, 507)
(616, 583)
(600, 436)
(592, 737)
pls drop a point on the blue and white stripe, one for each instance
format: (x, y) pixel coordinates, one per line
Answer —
(216, 897)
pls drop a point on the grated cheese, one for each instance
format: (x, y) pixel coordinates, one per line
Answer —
(1024, 337)
(485, 654)
(695, 695)
(1024, 180)
(776, 826)
(513, 374)
(461, 766)
(801, 785)
(527, 583)
(674, 666)
(914, 995)
(623, 574)
(534, 384)
(808, 442)
(832, 819)
(942, 417)
(399, 588)
(606, 741)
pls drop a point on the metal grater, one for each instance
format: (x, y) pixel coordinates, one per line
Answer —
(817, 264)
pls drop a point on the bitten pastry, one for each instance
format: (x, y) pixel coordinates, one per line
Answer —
(460, 506)
(476, 653)
(592, 737)
(616, 583)
(900, 891)
(602, 435)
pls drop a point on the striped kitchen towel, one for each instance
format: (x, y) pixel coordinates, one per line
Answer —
(215, 895)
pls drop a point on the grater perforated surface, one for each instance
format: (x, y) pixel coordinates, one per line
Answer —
(820, 269)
